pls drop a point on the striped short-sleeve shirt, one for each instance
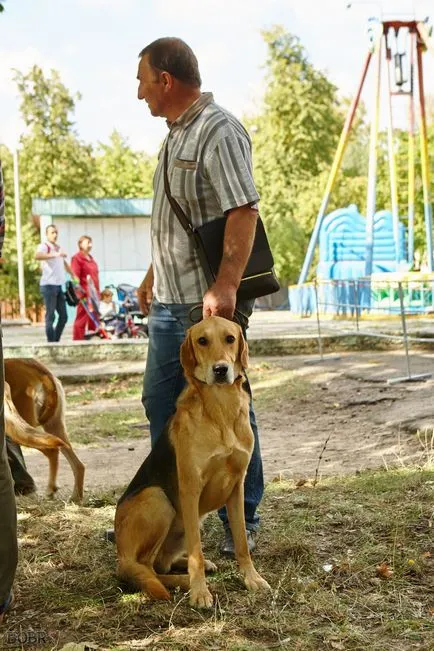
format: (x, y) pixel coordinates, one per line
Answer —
(210, 173)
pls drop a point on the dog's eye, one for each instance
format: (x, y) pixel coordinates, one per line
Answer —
(202, 341)
(230, 339)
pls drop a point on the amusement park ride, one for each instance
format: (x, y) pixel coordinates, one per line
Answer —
(399, 45)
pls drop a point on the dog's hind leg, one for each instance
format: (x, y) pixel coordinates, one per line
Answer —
(25, 405)
(53, 461)
(56, 425)
(142, 523)
(181, 563)
(78, 470)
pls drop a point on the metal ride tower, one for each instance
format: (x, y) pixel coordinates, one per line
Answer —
(385, 38)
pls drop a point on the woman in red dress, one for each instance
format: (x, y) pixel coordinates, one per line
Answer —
(84, 267)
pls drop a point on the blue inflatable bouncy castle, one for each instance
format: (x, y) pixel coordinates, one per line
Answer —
(342, 259)
(342, 245)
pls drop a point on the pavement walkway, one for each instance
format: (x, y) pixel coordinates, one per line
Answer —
(263, 325)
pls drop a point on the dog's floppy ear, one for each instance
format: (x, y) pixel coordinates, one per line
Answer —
(187, 356)
(243, 351)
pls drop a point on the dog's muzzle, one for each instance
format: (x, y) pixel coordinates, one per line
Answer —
(221, 373)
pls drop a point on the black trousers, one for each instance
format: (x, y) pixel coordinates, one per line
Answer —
(23, 481)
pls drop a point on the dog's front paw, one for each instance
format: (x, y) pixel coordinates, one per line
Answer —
(254, 581)
(201, 598)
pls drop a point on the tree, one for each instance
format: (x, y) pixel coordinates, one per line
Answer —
(401, 161)
(294, 139)
(123, 172)
(9, 272)
(53, 161)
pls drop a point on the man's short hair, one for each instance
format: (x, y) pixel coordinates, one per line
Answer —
(174, 56)
(82, 238)
(50, 226)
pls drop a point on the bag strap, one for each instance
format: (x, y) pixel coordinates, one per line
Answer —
(182, 217)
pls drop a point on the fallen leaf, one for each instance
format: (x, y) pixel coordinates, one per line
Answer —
(427, 555)
(301, 482)
(384, 571)
(337, 645)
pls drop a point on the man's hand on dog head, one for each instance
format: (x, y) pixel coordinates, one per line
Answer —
(220, 300)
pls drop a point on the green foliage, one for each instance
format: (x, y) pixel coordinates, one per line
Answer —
(401, 160)
(294, 139)
(294, 136)
(9, 273)
(123, 172)
(53, 161)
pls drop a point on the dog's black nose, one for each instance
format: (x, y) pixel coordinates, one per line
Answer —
(220, 371)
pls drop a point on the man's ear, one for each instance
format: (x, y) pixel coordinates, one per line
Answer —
(187, 356)
(243, 351)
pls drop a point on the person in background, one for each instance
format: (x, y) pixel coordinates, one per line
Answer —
(8, 518)
(84, 267)
(54, 265)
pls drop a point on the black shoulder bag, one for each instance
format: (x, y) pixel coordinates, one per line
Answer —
(70, 294)
(258, 279)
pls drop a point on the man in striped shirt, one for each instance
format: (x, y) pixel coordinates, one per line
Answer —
(210, 176)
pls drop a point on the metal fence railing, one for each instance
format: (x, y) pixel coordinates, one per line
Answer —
(363, 296)
(362, 301)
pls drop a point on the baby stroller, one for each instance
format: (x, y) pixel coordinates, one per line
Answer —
(75, 294)
(128, 321)
(90, 303)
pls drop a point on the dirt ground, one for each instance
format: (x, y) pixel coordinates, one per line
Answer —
(344, 405)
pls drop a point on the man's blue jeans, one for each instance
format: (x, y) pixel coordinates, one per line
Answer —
(164, 382)
(54, 300)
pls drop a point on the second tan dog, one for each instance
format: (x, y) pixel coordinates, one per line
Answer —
(197, 465)
(33, 397)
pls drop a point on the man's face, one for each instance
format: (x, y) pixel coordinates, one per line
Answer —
(86, 246)
(52, 234)
(151, 87)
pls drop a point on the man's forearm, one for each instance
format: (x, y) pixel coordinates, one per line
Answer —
(46, 256)
(238, 241)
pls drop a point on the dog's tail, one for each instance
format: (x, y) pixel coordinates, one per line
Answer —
(23, 433)
(143, 577)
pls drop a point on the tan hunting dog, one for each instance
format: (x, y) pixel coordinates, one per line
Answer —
(197, 465)
(33, 397)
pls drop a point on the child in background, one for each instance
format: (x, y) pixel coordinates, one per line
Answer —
(107, 305)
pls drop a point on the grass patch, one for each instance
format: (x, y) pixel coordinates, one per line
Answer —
(271, 383)
(107, 426)
(114, 388)
(319, 548)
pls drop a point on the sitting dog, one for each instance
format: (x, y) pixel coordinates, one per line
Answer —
(34, 396)
(197, 465)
